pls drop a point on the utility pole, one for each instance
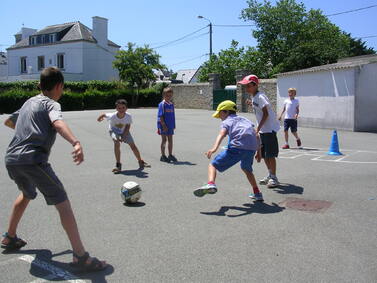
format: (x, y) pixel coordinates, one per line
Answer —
(210, 34)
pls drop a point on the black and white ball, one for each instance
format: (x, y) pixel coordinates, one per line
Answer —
(130, 192)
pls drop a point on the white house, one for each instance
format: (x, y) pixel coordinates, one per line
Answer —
(341, 95)
(80, 52)
(188, 76)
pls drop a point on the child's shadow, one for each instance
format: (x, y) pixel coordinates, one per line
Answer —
(43, 266)
(289, 189)
(136, 172)
(248, 208)
(183, 163)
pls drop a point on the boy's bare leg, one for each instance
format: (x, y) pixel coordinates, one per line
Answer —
(136, 151)
(170, 144)
(69, 224)
(163, 143)
(117, 151)
(271, 165)
(18, 210)
(296, 135)
(251, 178)
(211, 173)
(286, 136)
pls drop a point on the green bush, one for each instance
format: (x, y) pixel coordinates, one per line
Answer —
(12, 100)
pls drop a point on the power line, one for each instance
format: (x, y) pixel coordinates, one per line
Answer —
(188, 39)
(178, 39)
(369, 36)
(185, 61)
(350, 11)
(233, 26)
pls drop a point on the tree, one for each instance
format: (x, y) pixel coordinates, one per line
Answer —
(358, 47)
(292, 38)
(227, 61)
(135, 66)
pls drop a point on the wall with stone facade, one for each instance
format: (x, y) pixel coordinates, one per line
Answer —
(194, 96)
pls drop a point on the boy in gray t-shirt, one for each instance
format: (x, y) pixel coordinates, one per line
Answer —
(26, 159)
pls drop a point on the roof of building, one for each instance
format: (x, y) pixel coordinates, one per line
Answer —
(186, 75)
(343, 63)
(3, 58)
(75, 31)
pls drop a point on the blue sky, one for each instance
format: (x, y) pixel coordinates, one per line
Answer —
(157, 22)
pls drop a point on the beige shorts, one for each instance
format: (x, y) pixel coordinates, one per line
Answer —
(116, 137)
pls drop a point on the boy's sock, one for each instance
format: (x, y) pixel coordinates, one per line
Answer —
(256, 190)
(211, 183)
(273, 176)
(286, 143)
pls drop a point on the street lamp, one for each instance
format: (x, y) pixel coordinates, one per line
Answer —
(210, 34)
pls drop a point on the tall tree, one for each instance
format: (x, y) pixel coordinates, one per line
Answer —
(135, 66)
(358, 47)
(293, 38)
(227, 61)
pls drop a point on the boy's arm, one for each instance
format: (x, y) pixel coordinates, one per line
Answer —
(163, 124)
(264, 118)
(62, 128)
(126, 130)
(101, 117)
(298, 111)
(258, 155)
(220, 137)
(9, 123)
(282, 112)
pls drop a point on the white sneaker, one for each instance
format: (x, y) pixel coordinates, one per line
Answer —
(265, 180)
(273, 183)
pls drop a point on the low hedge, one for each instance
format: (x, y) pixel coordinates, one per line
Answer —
(92, 98)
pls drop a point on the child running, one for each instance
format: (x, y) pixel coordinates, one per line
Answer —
(291, 109)
(166, 124)
(119, 130)
(242, 146)
(26, 159)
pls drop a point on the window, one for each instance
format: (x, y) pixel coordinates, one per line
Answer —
(41, 62)
(23, 65)
(60, 61)
(51, 38)
(33, 40)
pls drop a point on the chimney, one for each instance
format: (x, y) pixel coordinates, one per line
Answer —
(100, 31)
(24, 33)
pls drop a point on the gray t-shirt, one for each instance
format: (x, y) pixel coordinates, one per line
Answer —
(34, 133)
(241, 132)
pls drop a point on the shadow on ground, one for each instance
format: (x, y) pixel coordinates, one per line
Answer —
(43, 266)
(139, 173)
(247, 208)
(286, 189)
(183, 163)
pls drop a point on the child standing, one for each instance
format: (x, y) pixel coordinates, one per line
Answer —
(291, 106)
(267, 128)
(242, 145)
(119, 130)
(166, 124)
(26, 159)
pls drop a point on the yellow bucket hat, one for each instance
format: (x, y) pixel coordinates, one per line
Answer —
(225, 105)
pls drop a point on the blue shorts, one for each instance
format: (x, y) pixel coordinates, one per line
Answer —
(290, 123)
(226, 159)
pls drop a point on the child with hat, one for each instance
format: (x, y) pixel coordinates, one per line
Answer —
(242, 146)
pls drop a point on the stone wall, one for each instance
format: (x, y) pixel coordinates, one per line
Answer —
(268, 86)
(194, 96)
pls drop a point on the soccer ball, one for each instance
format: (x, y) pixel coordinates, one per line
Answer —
(130, 192)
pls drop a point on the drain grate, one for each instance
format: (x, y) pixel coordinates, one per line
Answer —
(306, 205)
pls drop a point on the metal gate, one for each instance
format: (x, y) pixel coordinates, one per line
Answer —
(223, 94)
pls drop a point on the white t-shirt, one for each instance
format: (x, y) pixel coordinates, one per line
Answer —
(116, 124)
(290, 108)
(260, 100)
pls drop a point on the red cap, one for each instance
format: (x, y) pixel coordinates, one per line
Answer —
(249, 79)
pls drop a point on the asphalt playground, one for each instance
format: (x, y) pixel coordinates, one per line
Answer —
(319, 225)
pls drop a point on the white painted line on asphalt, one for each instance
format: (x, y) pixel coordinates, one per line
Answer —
(56, 272)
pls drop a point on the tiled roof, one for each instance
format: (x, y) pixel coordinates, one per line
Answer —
(344, 63)
(76, 31)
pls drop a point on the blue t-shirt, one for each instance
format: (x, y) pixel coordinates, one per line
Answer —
(241, 132)
(166, 111)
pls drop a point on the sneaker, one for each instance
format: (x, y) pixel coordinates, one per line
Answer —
(265, 180)
(172, 158)
(143, 164)
(118, 168)
(206, 189)
(273, 183)
(164, 158)
(286, 146)
(256, 197)
(298, 142)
